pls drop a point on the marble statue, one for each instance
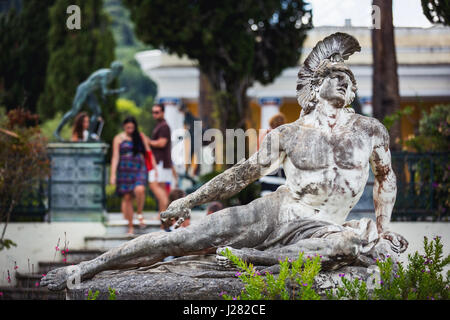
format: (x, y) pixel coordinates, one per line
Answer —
(326, 156)
(86, 91)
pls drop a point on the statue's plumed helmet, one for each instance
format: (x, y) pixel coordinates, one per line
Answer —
(327, 56)
(116, 65)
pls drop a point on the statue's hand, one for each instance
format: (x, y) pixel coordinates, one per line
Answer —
(398, 243)
(177, 209)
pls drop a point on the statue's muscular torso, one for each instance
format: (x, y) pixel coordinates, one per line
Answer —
(94, 82)
(326, 170)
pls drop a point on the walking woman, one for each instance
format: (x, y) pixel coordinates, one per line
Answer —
(129, 171)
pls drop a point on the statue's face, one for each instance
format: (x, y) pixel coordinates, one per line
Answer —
(337, 90)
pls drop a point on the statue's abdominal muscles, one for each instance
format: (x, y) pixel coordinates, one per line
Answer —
(326, 177)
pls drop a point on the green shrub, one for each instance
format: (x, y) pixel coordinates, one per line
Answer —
(434, 131)
(93, 296)
(299, 273)
(112, 294)
(422, 279)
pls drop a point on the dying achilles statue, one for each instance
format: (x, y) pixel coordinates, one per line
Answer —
(326, 155)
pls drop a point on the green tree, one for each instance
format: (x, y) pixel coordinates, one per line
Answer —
(236, 42)
(141, 89)
(437, 11)
(74, 55)
(6, 5)
(24, 57)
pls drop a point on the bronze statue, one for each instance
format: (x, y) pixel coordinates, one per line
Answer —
(100, 79)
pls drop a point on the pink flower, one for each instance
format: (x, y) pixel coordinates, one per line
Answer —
(57, 248)
(16, 267)
(43, 275)
(64, 260)
(37, 284)
(1, 294)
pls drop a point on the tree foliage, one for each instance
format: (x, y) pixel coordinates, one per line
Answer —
(235, 42)
(437, 11)
(141, 89)
(24, 57)
(434, 131)
(74, 55)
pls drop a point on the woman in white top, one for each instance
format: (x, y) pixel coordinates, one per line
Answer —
(80, 131)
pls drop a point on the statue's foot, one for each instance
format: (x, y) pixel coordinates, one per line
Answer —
(224, 261)
(57, 136)
(56, 279)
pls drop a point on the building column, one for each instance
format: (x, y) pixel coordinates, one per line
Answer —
(270, 106)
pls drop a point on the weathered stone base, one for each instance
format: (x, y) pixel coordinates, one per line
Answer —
(186, 278)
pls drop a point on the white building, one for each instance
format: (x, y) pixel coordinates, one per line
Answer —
(423, 57)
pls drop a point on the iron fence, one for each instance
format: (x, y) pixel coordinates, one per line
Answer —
(422, 185)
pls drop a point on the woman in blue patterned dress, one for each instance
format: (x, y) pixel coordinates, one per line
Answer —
(128, 169)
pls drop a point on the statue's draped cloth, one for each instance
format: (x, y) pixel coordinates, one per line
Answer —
(293, 231)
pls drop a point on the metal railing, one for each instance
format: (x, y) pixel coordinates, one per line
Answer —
(33, 205)
(422, 185)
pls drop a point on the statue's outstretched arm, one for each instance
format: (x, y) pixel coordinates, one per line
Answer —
(106, 91)
(385, 187)
(268, 158)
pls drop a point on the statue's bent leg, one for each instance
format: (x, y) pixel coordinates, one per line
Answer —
(239, 227)
(96, 112)
(69, 115)
(340, 250)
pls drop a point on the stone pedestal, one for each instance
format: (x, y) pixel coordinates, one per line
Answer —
(77, 182)
(187, 278)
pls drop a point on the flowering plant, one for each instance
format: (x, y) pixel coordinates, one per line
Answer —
(299, 274)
